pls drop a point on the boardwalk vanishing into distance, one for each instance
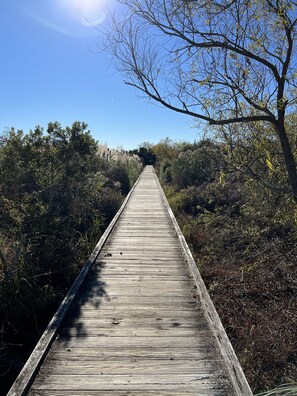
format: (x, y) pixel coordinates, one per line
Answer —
(138, 321)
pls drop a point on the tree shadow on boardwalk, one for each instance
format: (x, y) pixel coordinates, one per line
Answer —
(86, 305)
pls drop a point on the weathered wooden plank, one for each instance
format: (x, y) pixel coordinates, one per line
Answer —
(105, 306)
(136, 248)
(153, 289)
(154, 237)
(141, 254)
(118, 313)
(133, 227)
(167, 301)
(182, 302)
(122, 326)
(115, 382)
(97, 305)
(106, 392)
(143, 342)
(116, 285)
(149, 279)
(153, 262)
(137, 269)
(144, 367)
(161, 242)
(90, 330)
(133, 243)
(134, 353)
(139, 290)
(145, 232)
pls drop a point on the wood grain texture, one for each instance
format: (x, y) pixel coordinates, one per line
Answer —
(137, 326)
(107, 392)
(144, 382)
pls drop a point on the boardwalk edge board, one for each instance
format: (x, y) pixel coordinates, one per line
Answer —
(236, 374)
(30, 369)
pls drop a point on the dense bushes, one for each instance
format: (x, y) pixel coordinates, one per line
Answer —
(57, 197)
(244, 239)
(194, 167)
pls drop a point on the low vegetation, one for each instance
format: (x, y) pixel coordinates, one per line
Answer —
(58, 194)
(244, 240)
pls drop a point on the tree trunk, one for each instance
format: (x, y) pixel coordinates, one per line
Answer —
(289, 157)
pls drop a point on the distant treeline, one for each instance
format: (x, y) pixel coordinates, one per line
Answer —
(58, 194)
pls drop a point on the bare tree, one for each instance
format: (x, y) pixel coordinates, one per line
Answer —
(223, 61)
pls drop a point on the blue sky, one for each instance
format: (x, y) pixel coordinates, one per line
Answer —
(52, 70)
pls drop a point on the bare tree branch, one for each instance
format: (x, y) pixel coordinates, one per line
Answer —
(222, 62)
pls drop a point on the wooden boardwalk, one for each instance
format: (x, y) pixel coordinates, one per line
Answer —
(141, 323)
